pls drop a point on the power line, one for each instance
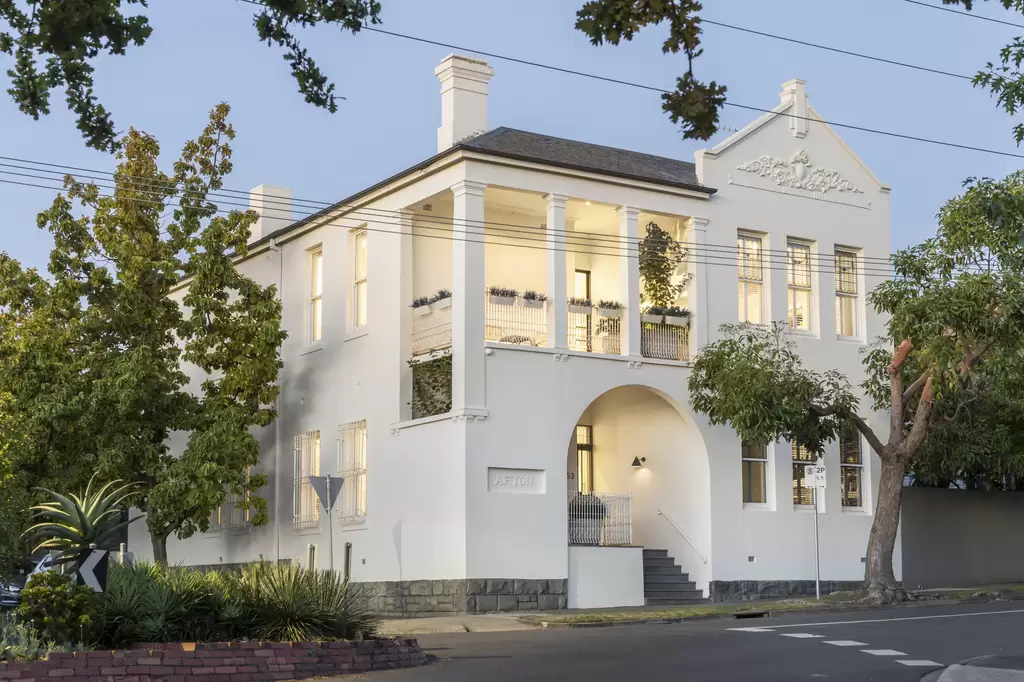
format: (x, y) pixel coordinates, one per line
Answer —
(573, 237)
(951, 11)
(706, 258)
(850, 53)
(606, 79)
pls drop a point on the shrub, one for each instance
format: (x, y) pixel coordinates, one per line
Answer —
(531, 295)
(503, 292)
(420, 302)
(20, 641)
(575, 300)
(290, 603)
(609, 305)
(58, 609)
(441, 295)
(676, 311)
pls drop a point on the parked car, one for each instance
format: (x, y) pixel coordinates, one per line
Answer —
(10, 593)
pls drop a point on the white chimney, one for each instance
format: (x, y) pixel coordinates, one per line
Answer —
(463, 99)
(274, 205)
(795, 92)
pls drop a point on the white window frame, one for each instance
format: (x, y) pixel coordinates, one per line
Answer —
(360, 280)
(315, 328)
(799, 282)
(352, 450)
(750, 275)
(306, 463)
(851, 434)
(801, 457)
(765, 476)
(847, 291)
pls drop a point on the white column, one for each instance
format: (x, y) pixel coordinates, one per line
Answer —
(697, 295)
(404, 275)
(558, 312)
(468, 297)
(629, 272)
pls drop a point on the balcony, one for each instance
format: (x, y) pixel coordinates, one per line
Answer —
(432, 327)
(515, 320)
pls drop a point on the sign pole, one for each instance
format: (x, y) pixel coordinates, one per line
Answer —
(330, 525)
(817, 565)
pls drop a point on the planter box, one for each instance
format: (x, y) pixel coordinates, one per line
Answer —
(421, 311)
(580, 309)
(502, 300)
(677, 321)
(610, 312)
(533, 303)
(443, 303)
(652, 319)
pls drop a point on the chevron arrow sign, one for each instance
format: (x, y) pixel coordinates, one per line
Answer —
(92, 572)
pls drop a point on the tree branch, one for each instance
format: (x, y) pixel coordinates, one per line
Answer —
(914, 387)
(919, 429)
(873, 440)
(971, 357)
(896, 392)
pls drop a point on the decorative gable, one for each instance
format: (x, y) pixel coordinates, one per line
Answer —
(799, 173)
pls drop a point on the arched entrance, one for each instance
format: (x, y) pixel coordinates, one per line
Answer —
(639, 476)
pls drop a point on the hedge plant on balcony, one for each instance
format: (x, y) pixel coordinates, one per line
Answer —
(660, 256)
(431, 386)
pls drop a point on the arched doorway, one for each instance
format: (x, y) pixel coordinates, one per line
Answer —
(637, 461)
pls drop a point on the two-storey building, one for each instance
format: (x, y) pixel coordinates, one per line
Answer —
(514, 443)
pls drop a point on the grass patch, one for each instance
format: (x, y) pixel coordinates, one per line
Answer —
(981, 590)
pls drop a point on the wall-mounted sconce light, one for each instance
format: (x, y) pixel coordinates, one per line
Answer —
(638, 462)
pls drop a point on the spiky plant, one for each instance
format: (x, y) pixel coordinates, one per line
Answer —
(73, 525)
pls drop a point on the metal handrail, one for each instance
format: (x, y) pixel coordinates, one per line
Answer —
(680, 531)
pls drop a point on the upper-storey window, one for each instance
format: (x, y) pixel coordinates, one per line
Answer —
(316, 291)
(359, 284)
(846, 292)
(798, 273)
(751, 279)
(755, 472)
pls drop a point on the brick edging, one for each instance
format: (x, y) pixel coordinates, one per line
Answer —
(219, 662)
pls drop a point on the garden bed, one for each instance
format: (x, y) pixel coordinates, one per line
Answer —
(220, 661)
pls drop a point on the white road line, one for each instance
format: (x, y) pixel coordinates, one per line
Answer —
(802, 635)
(921, 664)
(894, 620)
(751, 630)
(846, 642)
(882, 652)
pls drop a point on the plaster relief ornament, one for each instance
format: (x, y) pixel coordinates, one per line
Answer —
(798, 173)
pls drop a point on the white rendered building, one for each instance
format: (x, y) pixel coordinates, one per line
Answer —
(467, 505)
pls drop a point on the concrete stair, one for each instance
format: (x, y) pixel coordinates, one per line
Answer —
(665, 583)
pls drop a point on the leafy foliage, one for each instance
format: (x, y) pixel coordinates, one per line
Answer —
(20, 641)
(431, 386)
(693, 104)
(73, 525)
(149, 603)
(58, 609)
(94, 353)
(660, 256)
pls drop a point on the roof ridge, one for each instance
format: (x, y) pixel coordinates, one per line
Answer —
(569, 139)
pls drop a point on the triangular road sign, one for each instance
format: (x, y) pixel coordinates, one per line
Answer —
(327, 489)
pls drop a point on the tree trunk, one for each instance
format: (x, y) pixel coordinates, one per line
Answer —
(159, 547)
(882, 585)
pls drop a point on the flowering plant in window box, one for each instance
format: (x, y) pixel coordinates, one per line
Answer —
(654, 314)
(502, 296)
(531, 299)
(677, 317)
(442, 299)
(583, 306)
(421, 306)
(609, 308)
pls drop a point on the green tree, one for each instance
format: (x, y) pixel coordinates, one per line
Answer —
(94, 353)
(952, 349)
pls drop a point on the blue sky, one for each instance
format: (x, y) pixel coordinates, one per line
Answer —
(205, 51)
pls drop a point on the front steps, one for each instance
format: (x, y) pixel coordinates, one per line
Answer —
(665, 583)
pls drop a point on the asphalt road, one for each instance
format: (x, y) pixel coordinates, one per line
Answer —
(897, 644)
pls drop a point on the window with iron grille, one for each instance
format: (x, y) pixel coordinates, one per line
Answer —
(755, 472)
(359, 285)
(305, 507)
(798, 273)
(585, 458)
(801, 458)
(352, 467)
(316, 290)
(751, 279)
(846, 292)
(851, 466)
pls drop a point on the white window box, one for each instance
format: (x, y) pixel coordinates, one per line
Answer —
(610, 312)
(443, 303)
(533, 303)
(502, 300)
(422, 311)
(580, 309)
(652, 319)
(677, 321)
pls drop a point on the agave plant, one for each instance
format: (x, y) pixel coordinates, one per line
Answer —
(73, 525)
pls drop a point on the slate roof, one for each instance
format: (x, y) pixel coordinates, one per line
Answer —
(546, 150)
(557, 151)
